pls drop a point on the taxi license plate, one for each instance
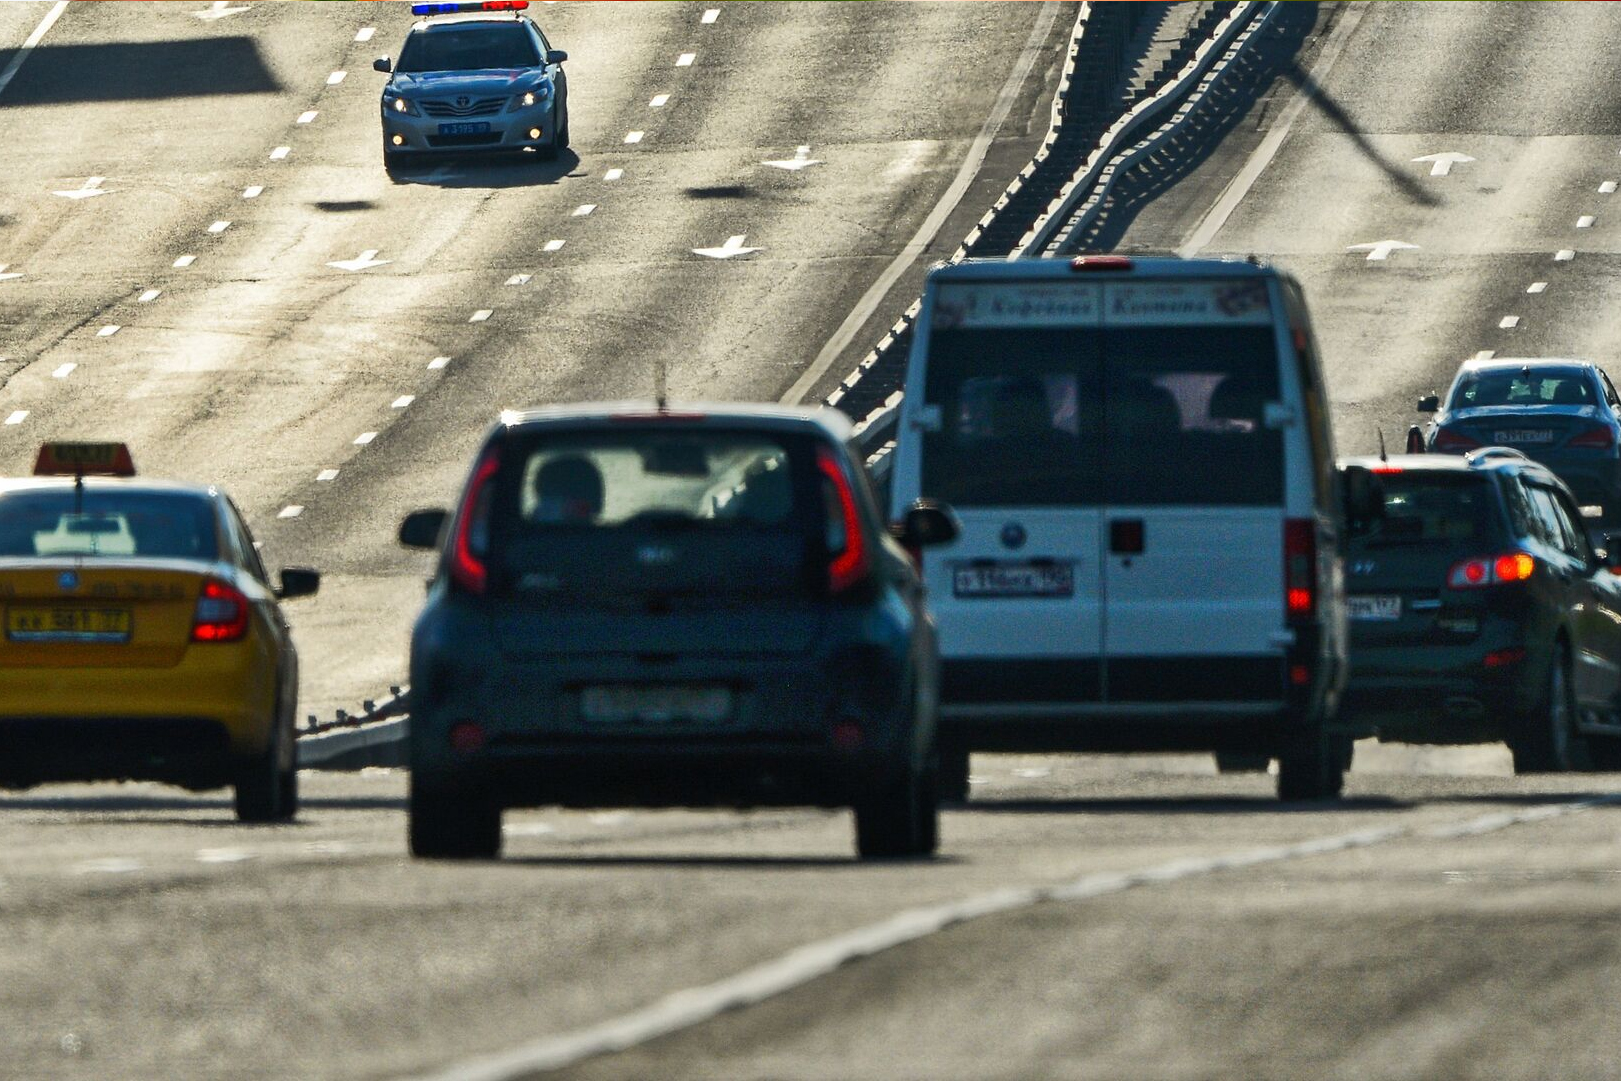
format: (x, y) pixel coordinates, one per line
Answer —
(1015, 580)
(655, 705)
(1524, 435)
(464, 129)
(1373, 609)
(69, 624)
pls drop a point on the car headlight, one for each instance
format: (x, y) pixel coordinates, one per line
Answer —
(400, 105)
(529, 99)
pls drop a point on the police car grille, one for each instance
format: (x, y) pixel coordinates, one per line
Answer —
(478, 107)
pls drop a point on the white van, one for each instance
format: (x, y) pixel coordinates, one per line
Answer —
(1140, 454)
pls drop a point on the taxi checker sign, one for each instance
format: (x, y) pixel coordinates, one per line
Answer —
(1053, 305)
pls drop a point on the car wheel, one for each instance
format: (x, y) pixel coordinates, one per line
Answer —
(1605, 753)
(562, 129)
(450, 825)
(1547, 741)
(1235, 762)
(953, 775)
(1311, 765)
(267, 785)
(890, 823)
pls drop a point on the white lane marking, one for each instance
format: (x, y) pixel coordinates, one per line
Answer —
(336, 77)
(1486, 354)
(480, 316)
(222, 855)
(800, 160)
(527, 829)
(1509, 322)
(109, 330)
(1032, 774)
(309, 117)
(710, 16)
(326, 476)
(18, 417)
(366, 261)
(1563, 255)
(1442, 163)
(685, 60)
(1536, 287)
(280, 152)
(219, 227)
(113, 865)
(403, 401)
(519, 279)
(365, 33)
(253, 192)
(30, 43)
(613, 174)
(64, 371)
(185, 261)
(1607, 188)
(438, 364)
(364, 438)
(906, 259)
(220, 10)
(693, 1006)
(4, 277)
(1584, 222)
(1308, 91)
(634, 136)
(553, 245)
(659, 101)
(610, 818)
(1379, 251)
(585, 210)
(149, 296)
(729, 250)
(326, 848)
(291, 512)
(91, 188)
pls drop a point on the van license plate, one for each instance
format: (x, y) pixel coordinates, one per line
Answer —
(107, 625)
(1015, 580)
(1373, 609)
(655, 705)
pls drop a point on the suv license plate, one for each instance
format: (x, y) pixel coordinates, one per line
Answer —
(1373, 609)
(1524, 435)
(655, 705)
(1014, 580)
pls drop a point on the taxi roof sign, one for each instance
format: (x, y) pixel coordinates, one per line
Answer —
(84, 460)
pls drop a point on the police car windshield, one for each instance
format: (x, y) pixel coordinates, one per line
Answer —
(159, 525)
(473, 48)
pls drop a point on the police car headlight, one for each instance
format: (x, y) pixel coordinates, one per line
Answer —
(530, 99)
(400, 105)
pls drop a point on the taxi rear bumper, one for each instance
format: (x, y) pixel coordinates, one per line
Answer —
(189, 751)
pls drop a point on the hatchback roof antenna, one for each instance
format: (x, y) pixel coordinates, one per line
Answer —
(661, 388)
(1383, 457)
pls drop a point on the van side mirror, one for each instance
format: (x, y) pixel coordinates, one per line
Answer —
(298, 582)
(556, 56)
(1430, 403)
(928, 523)
(422, 529)
(1362, 496)
(382, 64)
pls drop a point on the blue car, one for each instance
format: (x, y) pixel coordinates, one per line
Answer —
(1565, 414)
(474, 78)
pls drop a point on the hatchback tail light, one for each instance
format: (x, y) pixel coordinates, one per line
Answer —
(221, 614)
(1448, 440)
(1484, 571)
(851, 561)
(1598, 437)
(470, 542)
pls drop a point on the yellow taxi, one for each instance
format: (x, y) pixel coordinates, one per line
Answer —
(143, 639)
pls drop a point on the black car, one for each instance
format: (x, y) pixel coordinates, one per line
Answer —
(644, 607)
(1480, 612)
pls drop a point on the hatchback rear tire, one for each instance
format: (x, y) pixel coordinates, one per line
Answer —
(1547, 740)
(449, 825)
(1311, 766)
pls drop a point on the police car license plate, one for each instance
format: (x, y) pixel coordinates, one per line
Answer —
(1523, 435)
(1014, 580)
(1373, 609)
(655, 705)
(112, 625)
(463, 129)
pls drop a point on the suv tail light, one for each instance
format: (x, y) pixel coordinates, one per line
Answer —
(1300, 568)
(1491, 570)
(221, 614)
(1598, 437)
(469, 542)
(1448, 440)
(847, 544)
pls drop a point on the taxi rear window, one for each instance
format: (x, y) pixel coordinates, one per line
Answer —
(474, 49)
(107, 525)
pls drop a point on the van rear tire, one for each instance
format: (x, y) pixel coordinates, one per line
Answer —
(1311, 766)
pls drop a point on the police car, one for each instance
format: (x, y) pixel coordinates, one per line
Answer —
(142, 638)
(474, 78)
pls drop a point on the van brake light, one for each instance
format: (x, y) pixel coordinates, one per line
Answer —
(1300, 568)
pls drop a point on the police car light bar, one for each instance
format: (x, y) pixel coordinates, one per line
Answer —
(84, 460)
(458, 9)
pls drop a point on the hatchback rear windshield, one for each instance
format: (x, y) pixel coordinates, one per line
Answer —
(473, 49)
(1540, 386)
(1435, 509)
(107, 524)
(1135, 416)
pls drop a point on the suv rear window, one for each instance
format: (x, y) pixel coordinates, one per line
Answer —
(107, 524)
(1439, 509)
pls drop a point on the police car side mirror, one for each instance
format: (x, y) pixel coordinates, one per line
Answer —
(556, 56)
(298, 582)
(423, 528)
(1362, 497)
(928, 523)
(1430, 403)
(382, 64)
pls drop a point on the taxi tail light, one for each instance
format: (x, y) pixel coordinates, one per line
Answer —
(221, 614)
(468, 569)
(1598, 437)
(1481, 571)
(851, 562)
(1300, 568)
(1448, 440)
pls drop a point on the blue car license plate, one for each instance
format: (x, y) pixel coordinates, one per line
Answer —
(464, 129)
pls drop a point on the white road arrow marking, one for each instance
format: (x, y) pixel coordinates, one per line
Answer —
(1442, 163)
(90, 190)
(1380, 251)
(801, 160)
(219, 11)
(366, 261)
(4, 277)
(729, 250)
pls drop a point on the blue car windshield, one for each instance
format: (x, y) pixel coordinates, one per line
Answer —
(479, 48)
(1543, 386)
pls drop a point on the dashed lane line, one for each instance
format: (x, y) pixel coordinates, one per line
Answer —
(710, 16)
(1564, 255)
(336, 77)
(1607, 188)
(659, 101)
(1585, 221)
(184, 261)
(64, 371)
(553, 245)
(1537, 287)
(291, 512)
(149, 296)
(365, 33)
(613, 174)
(685, 60)
(280, 153)
(18, 417)
(109, 330)
(326, 476)
(438, 364)
(309, 117)
(219, 227)
(254, 192)
(403, 401)
(634, 137)
(1509, 322)
(364, 439)
(585, 210)
(481, 316)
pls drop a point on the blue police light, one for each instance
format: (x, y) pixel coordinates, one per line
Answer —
(458, 9)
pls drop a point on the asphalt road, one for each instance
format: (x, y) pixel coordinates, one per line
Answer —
(1448, 920)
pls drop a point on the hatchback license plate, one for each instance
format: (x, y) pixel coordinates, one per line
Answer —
(69, 624)
(1524, 435)
(1015, 580)
(655, 705)
(1373, 609)
(464, 129)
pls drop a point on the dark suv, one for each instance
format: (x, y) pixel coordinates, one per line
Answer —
(1480, 612)
(643, 607)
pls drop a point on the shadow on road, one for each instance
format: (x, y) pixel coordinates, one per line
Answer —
(139, 71)
(126, 804)
(722, 863)
(1184, 805)
(506, 171)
